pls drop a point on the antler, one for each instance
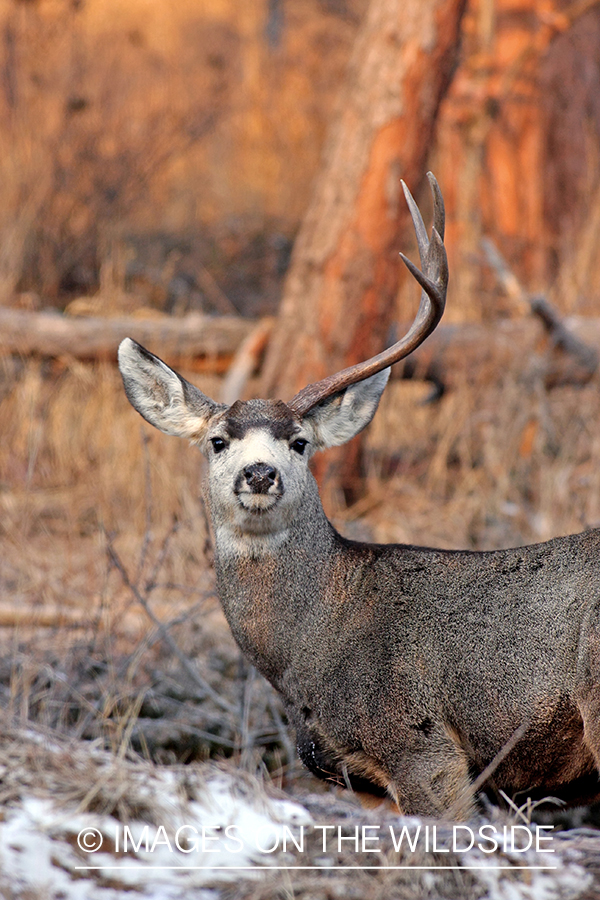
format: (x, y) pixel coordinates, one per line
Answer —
(434, 281)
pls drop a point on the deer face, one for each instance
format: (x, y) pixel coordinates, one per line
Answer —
(258, 450)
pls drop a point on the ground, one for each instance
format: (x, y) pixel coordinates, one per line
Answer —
(117, 662)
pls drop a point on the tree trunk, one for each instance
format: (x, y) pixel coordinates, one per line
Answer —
(518, 140)
(340, 296)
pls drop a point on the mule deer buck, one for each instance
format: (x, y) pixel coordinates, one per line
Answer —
(403, 669)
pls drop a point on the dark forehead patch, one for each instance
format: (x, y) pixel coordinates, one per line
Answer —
(273, 415)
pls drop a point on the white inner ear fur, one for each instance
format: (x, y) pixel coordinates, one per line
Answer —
(343, 415)
(161, 396)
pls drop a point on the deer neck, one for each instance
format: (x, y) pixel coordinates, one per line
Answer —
(271, 585)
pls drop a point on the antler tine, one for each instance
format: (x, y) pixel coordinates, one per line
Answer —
(439, 212)
(433, 280)
(418, 224)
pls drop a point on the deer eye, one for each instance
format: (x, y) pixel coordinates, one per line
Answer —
(299, 445)
(219, 444)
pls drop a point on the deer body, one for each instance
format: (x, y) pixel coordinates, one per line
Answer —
(409, 669)
(403, 669)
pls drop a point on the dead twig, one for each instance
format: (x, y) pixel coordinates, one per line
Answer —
(148, 505)
(282, 732)
(215, 294)
(151, 582)
(562, 338)
(186, 664)
(487, 773)
(246, 360)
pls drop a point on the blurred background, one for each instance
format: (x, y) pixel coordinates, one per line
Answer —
(221, 181)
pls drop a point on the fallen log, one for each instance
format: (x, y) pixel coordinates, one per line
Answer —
(483, 352)
(203, 342)
(455, 352)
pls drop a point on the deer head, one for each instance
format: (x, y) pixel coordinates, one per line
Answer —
(258, 450)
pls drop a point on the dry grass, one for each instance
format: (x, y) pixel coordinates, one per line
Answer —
(89, 133)
(110, 629)
(128, 129)
(105, 545)
(499, 465)
(80, 475)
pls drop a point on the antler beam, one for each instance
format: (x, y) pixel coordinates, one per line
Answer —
(434, 281)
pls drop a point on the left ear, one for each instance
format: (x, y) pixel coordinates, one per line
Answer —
(162, 396)
(341, 416)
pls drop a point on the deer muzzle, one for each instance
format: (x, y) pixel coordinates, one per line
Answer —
(260, 477)
(258, 487)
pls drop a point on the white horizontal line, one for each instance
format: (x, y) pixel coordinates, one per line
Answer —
(316, 868)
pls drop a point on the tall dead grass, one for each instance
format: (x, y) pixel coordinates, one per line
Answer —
(109, 623)
(88, 132)
(505, 462)
(106, 586)
(501, 464)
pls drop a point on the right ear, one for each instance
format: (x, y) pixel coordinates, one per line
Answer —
(341, 416)
(163, 397)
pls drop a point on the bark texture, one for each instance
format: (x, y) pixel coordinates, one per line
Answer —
(517, 146)
(339, 299)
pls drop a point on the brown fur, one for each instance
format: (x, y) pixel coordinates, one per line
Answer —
(404, 670)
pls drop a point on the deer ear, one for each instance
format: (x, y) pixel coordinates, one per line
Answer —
(341, 416)
(161, 396)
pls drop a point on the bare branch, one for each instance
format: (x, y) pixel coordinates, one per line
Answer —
(203, 685)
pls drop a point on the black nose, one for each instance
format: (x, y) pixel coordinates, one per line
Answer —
(260, 477)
